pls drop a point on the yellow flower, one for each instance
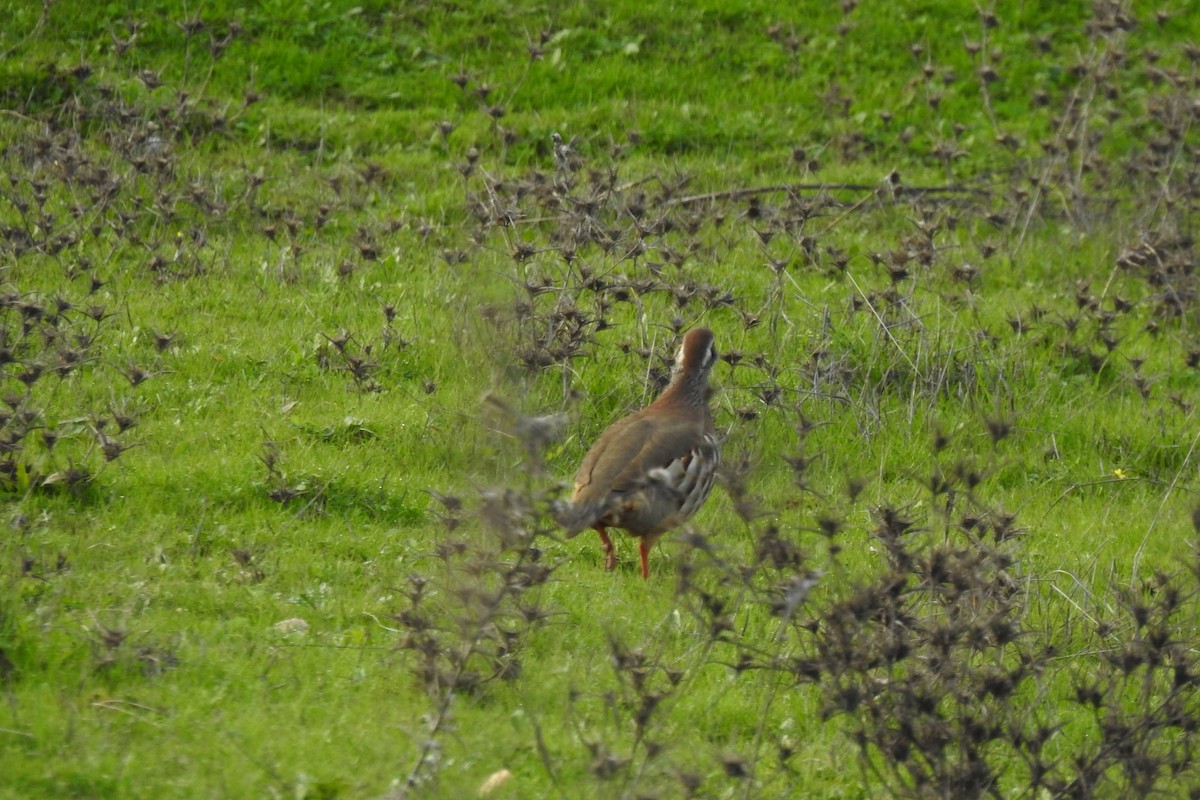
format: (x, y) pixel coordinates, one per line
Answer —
(1120, 474)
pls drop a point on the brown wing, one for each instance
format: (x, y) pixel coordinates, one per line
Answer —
(622, 457)
(612, 452)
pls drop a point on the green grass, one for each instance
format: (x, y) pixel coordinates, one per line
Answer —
(264, 482)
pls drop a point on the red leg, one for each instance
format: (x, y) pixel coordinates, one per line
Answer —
(610, 552)
(644, 549)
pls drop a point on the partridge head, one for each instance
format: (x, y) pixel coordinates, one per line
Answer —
(650, 471)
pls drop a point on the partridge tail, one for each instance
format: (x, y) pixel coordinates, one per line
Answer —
(576, 518)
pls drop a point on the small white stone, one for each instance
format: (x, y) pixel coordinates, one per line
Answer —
(494, 782)
(293, 625)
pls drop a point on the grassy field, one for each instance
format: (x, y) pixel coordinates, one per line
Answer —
(306, 319)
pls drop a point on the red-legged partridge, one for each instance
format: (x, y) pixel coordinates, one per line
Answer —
(652, 470)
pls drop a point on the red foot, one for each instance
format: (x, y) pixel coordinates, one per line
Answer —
(645, 551)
